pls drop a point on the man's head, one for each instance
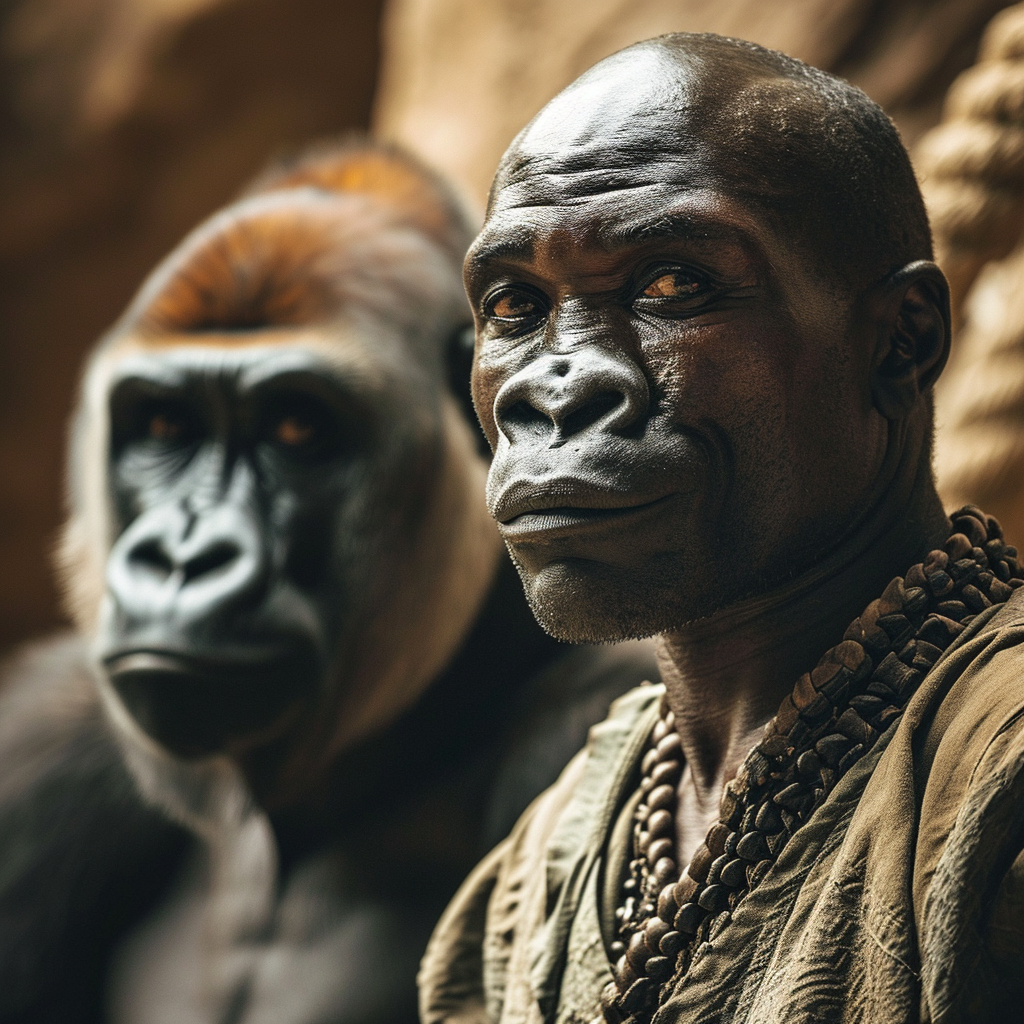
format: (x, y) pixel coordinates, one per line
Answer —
(707, 329)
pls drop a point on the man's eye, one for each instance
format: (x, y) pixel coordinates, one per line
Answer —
(293, 431)
(513, 305)
(673, 285)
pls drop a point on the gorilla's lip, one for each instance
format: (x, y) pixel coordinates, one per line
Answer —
(261, 663)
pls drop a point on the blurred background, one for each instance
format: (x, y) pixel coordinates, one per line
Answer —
(124, 122)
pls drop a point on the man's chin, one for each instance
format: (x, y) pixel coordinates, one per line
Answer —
(596, 605)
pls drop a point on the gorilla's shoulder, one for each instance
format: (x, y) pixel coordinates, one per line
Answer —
(74, 835)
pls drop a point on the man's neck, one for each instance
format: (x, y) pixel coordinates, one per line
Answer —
(726, 675)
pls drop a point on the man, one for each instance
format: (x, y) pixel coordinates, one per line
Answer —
(708, 328)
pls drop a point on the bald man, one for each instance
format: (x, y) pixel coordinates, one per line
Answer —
(708, 326)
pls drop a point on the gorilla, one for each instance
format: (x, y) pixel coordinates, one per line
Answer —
(304, 692)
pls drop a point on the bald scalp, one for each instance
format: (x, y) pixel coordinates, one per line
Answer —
(814, 154)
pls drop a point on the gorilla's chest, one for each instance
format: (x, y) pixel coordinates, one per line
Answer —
(316, 958)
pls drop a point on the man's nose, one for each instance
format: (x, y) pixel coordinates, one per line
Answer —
(562, 395)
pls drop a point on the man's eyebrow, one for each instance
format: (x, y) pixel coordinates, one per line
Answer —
(516, 244)
(513, 245)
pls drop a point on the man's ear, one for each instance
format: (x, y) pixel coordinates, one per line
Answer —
(911, 309)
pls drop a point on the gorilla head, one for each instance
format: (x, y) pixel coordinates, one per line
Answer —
(277, 534)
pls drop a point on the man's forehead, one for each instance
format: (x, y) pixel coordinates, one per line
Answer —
(612, 103)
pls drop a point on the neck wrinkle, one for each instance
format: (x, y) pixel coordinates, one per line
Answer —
(725, 675)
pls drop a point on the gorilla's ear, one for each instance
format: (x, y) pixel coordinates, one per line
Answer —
(459, 357)
(911, 310)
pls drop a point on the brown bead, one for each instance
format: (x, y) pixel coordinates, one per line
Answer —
(668, 717)
(685, 889)
(796, 798)
(808, 763)
(851, 725)
(957, 546)
(669, 747)
(714, 898)
(699, 865)
(671, 943)
(624, 973)
(940, 583)
(609, 1004)
(775, 746)
(716, 837)
(666, 774)
(660, 824)
(665, 871)
(974, 598)
(752, 847)
(898, 677)
(832, 747)
(659, 968)
(999, 591)
(689, 918)
(636, 952)
(653, 931)
(768, 819)
(649, 761)
(659, 732)
(893, 597)
(734, 873)
(661, 796)
(663, 847)
(667, 902)
(915, 576)
(804, 692)
(715, 871)
(786, 716)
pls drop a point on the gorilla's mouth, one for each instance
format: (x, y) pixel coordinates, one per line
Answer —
(196, 707)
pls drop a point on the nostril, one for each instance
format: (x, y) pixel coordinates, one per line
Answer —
(595, 409)
(524, 416)
(213, 558)
(150, 555)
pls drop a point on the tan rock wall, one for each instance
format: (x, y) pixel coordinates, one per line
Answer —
(461, 77)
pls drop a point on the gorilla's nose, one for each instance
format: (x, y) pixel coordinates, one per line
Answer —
(172, 562)
(561, 395)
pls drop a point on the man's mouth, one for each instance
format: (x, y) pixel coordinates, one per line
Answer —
(564, 506)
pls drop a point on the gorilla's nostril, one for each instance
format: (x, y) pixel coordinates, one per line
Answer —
(150, 555)
(214, 557)
(595, 409)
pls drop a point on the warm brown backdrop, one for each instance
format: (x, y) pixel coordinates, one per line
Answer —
(124, 122)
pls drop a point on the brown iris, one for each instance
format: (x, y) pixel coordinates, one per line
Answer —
(513, 306)
(164, 428)
(292, 431)
(673, 285)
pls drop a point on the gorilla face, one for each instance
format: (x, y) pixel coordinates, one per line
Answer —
(260, 494)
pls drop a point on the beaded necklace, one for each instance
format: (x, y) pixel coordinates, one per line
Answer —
(834, 715)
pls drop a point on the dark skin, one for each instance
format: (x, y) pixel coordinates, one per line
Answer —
(698, 432)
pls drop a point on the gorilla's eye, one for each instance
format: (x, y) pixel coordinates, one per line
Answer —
(513, 304)
(294, 431)
(164, 427)
(676, 284)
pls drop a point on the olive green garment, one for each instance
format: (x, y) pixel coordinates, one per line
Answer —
(901, 899)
